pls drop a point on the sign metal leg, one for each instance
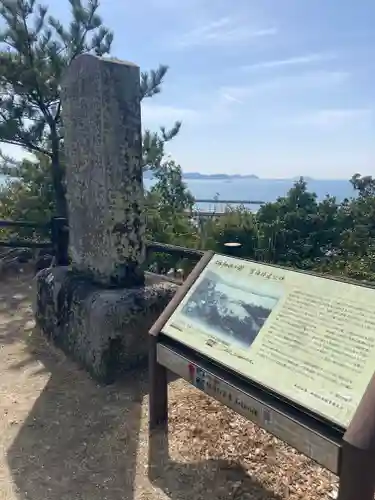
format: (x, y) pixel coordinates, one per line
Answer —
(357, 474)
(158, 395)
(158, 452)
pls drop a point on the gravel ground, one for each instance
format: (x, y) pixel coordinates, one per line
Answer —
(62, 437)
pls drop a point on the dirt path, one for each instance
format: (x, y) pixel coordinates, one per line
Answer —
(62, 437)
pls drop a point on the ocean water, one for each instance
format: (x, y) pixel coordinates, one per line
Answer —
(266, 190)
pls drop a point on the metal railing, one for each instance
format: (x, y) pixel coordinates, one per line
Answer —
(218, 207)
(59, 237)
(174, 250)
(16, 243)
(231, 202)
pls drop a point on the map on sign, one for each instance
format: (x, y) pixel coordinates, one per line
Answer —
(308, 338)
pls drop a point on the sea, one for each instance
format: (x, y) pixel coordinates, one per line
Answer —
(265, 190)
(250, 190)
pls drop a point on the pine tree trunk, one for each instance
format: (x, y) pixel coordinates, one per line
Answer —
(58, 181)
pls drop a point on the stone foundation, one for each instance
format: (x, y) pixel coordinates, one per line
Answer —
(105, 330)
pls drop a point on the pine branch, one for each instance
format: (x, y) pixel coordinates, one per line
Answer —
(152, 81)
(35, 51)
(168, 135)
(26, 144)
(40, 97)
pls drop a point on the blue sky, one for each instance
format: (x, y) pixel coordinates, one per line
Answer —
(277, 88)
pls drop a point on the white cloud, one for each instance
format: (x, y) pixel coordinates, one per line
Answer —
(321, 78)
(223, 31)
(169, 5)
(231, 98)
(291, 61)
(309, 80)
(331, 119)
(156, 114)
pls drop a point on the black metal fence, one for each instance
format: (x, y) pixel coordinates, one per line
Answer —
(58, 238)
(217, 207)
(218, 201)
(57, 242)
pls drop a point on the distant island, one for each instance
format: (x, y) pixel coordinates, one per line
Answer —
(227, 177)
(209, 177)
(198, 176)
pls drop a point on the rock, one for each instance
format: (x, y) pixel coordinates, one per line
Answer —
(105, 331)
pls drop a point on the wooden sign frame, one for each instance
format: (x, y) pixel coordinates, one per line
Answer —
(349, 454)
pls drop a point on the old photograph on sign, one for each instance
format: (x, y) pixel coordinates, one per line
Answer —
(226, 308)
(234, 311)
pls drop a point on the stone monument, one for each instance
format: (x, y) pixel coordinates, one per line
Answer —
(101, 307)
(102, 131)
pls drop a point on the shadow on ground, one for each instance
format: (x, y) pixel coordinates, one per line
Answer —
(16, 315)
(213, 478)
(81, 441)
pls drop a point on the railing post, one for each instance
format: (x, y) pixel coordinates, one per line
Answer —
(60, 240)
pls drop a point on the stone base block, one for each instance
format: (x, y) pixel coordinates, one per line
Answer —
(104, 330)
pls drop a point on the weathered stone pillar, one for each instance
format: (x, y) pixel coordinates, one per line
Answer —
(103, 150)
(101, 314)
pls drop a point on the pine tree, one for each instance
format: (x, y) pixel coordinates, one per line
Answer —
(35, 49)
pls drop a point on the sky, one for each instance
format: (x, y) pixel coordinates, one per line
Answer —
(276, 88)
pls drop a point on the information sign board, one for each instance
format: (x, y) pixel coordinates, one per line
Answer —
(294, 352)
(308, 338)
